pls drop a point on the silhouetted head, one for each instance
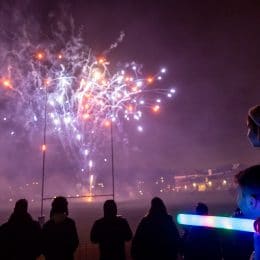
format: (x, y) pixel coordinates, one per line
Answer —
(21, 207)
(253, 124)
(237, 213)
(110, 209)
(248, 199)
(157, 207)
(20, 213)
(59, 205)
(202, 209)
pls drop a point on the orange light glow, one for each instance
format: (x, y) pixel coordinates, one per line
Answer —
(130, 108)
(134, 89)
(86, 116)
(107, 123)
(40, 55)
(44, 147)
(89, 199)
(60, 56)
(47, 82)
(87, 96)
(156, 108)
(150, 80)
(101, 60)
(7, 83)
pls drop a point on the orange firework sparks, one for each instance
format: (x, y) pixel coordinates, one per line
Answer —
(156, 108)
(101, 60)
(47, 82)
(86, 116)
(44, 147)
(107, 123)
(134, 89)
(60, 56)
(40, 55)
(6, 83)
(130, 108)
(150, 80)
(76, 98)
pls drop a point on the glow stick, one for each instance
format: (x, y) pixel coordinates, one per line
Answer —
(240, 224)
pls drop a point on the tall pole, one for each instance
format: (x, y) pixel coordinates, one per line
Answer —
(112, 159)
(44, 149)
(90, 165)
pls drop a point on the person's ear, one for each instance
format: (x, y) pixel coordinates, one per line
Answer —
(251, 201)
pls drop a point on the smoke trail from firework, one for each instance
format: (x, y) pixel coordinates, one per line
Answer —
(115, 44)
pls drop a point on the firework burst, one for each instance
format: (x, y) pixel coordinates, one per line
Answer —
(76, 93)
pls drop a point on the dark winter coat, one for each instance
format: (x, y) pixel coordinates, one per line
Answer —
(111, 235)
(156, 237)
(60, 239)
(20, 238)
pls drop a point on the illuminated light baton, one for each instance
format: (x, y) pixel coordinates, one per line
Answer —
(240, 224)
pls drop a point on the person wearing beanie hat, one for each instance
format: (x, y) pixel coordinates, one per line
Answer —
(59, 234)
(111, 232)
(253, 124)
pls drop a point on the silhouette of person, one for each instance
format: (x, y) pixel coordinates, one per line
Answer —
(59, 233)
(20, 236)
(253, 124)
(248, 199)
(111, 232)
(202, 242)
(156, 236)
(237, 244)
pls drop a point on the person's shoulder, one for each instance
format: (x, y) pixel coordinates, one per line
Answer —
(70, 220)
(4, 226)
(122, 220)
(36, 224)
(145, 220)
(169, 217)
(48, 224)
(100, 221)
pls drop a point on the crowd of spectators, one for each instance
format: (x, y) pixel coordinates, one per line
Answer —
(156, 236)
